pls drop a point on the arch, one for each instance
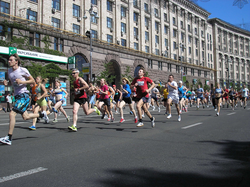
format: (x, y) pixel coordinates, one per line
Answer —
(79, 61)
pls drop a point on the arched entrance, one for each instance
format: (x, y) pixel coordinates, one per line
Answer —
(80, 60)
(136, 70)
(115, 71)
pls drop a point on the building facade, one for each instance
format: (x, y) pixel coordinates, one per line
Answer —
(231, 54)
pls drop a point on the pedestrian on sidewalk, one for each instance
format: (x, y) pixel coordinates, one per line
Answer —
(9, 102)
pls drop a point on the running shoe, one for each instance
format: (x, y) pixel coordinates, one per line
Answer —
(106, 116)
(217, 114)
(143, 115)
(32, 128)
(186, 109)
(122, 120)
(116, 112)
(153, 107)
(159, 109)
(59, 113)
(5, 140)
(55, 120)
(73, 128)
(180, 111)
(68, 119)
(97, 111)
(215, 109)
(244, 107)
(169, 116)
(109, 119)
(140, 124)
(103, 116)
(153, 123)
(4, 110)
(166, 113)
(203, 106)
(179, 118)
(113, 119)
(136, 120)
(54, 110)
(37, 120)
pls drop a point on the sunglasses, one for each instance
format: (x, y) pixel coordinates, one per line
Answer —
(73, 73)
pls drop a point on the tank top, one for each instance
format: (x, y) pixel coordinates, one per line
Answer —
(81, 93)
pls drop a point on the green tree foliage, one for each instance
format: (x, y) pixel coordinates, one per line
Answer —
(127, 74)
(105, 74)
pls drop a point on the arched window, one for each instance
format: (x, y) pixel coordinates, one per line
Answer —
(79, 62)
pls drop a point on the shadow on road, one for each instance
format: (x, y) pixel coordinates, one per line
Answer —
(146, 177)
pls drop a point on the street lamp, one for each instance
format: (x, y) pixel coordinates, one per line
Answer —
(92, 14)
(182, 47)
(228, 70)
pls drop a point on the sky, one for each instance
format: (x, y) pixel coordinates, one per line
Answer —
(224, 10)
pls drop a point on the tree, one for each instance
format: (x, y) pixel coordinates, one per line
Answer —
(127, 74)
(105, 74)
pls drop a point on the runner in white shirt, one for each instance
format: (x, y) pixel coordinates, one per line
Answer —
(244, 94)
(173, 97)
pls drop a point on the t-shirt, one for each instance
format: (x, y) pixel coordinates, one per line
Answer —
(172, 91)
(244, 92)
(200, 94)
(153, 94)
(22, 74)
(142, 86)
(189, 93)
(104, 88)
(9, 99)
(225, 95)
(127, 88)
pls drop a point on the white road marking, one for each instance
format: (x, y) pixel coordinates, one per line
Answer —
(189, 126)
(231, 113)
(22, 174)
(9, 123)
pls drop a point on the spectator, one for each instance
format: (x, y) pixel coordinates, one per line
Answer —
(2, 108)
(9, 102)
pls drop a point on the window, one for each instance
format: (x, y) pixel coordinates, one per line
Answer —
(56, 4)
(37, 40)
(135, 33)
(157, 51)
(196, 52)
(2, 32)
(93, 18)
(185, 70)
(202, 35)
(55, 22)
(61, 45)
(174, 21)
(94, 34)
(166, 42)
(147, 49)
(199, 73)
(146, 22)
(175, 56)
(182, 25)
(136, 16)
(150, 63)
(123, 27)
(76, 28)
(208, 57)
(55, 44)
(94, 2)
(159, 65)
(196, 42)
(123, 11)
(182, 36)
(123, 42)
(31, 15)
(156, 39)
(195, 31)
(31, 38)
(165, 17)
(109, 22)
(156, 12)
(146, 7)
(174, 33)
(169, 68)
(174, 45)
(136, 46)
(177, 69)
(165, 29)
(34, 1)
(189, 39)
(190, 50)
(76, 10)
(109, 38)
(192, 71)
(5, 8)
(189, 28)
(109, 6)
(135, 3)
(146, 36)
(157, 26)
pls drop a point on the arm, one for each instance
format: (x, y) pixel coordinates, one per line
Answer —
(44, 92)
(85, 85)
(29, 81)
(174, 87)
(151, 87)
(65, 92)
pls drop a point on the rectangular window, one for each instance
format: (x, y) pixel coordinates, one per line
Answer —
(174, 45)
(55, 44)
(150, 63)
(136, 16)
(136, 33)
(189, 39)
(109, 6)
(175, 56)
(55, 22)
(123, 11)
(123, 27)
(166, 42)
(109, 22)
(56, 4)
(146, 36)
(31, 15)
(5, 8)
(61, 46)
(123, 42)
(190, 50)
(157, 52)
(94, 2)
(196, 52)
(169, 68)
(93, 18)
(157, 26)
(182, 25)
(76, 28)
(94, 34)
(35, 1)
(165, 17)
(199, 73)
(109, 38)
(189, 28)
(174, 33)
(192, 71)
(76, 10)
(146, 22)
(147, 49)
(157, 39)
(174, 21)
(177, 69)
(135, 3)
(136, 46)
(165, 29)
(156, 12)
(182, 36)
(146, 7)
(37, 40)
(159, 65)
(31, 38)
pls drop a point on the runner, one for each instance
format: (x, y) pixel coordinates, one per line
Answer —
(58, 93)
(142, 95)
(41, 103)
(173, 97)
(0, 103)
(19, 77)
(51, 99)
(80, 99)
(189, 98)
(218, 97)
(200, 97)
(154, 98)
(165, 97)
(232, 95)
(91, 92)
(212, 93)
(225, 97)
(117, 98)
(126, 91)
(182, 96)
(244, 93)
(207, 96)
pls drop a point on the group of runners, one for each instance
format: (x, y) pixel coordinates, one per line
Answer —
(103, 98)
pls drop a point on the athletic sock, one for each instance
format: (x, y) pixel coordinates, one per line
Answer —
(140, 120)
(10, 136)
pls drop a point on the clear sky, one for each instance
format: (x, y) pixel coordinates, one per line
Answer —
(224, 10)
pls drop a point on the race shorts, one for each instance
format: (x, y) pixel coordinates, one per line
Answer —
(164, 99)
(32, 102)
(80, 101)
(144, 99)
(92, 99)
(201, 98)
(155, 98)
(127, 100)
(175, 99)
(60, 100)
(42, 102)
(22, 103)
(106, 101)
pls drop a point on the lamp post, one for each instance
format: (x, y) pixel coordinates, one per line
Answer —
(228, 70)
(92, 14)
(182, 47)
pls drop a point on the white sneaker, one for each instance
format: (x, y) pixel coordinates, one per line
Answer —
(5, 140)
(215, 109)
(106, 116)
(159, 109)
(179, 118)
(153, 107)
(143, 115)
(153, 123)
(217, 114)
(45, 117)
(140, 124)
(169, 116)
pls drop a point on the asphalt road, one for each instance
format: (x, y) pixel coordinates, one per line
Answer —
(201, 150)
